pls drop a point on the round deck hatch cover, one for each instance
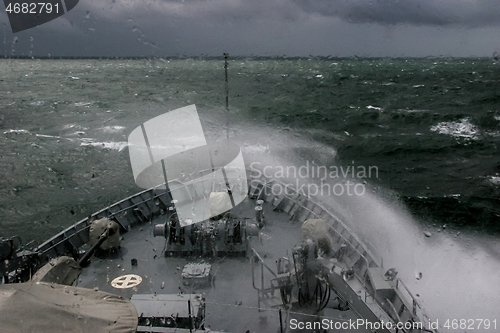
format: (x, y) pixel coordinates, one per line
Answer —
(126, 281)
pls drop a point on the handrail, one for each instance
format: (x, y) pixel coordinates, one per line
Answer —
(49, 243)
(263, 263)
(331, 215)
(414, 303)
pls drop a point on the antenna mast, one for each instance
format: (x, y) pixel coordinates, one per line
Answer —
(227, 85)
(227, 94)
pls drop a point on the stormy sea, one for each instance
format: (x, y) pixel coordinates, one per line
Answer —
(428, 128)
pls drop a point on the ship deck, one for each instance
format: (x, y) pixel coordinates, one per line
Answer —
(232, 297)
(232, 302)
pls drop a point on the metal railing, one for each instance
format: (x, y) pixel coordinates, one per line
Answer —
(411, 303)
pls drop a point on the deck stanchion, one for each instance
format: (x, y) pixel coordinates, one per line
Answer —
(281, 323)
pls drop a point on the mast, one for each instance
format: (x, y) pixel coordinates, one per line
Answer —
(227, 94)
(227, 85)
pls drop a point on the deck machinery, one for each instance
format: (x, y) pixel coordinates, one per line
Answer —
(226, 236)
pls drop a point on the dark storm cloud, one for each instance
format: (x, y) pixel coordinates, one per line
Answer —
(215, 11)
(467, 13)
(264, 27)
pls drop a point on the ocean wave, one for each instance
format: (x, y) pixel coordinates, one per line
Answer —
(495, 180)
(49, 136)
(75, 126)
(84, 103)
(374, 108)
(23, 131)
(119, 146)
(458, 211)
(112, 129)
(460, 129)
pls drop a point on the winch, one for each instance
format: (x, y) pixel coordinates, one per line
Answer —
(212, 238)
(220, 235)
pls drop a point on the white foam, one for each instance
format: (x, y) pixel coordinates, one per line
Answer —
(460, 129)
(83, 103)
(256, 148)
(374, 107)
(112, 129)
(75, 126)
(495, 180)
(48, 136)
(119, 146)
(470, 263)
(16, 131)
(459, 272)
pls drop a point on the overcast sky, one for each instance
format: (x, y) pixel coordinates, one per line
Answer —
(264, 28)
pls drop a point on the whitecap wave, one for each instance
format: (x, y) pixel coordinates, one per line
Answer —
(84, 103)
(17, 131)
(49, 136)
(119, 146)
(460, 129)
(75, 126)
(495, 180)
(112, 129)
